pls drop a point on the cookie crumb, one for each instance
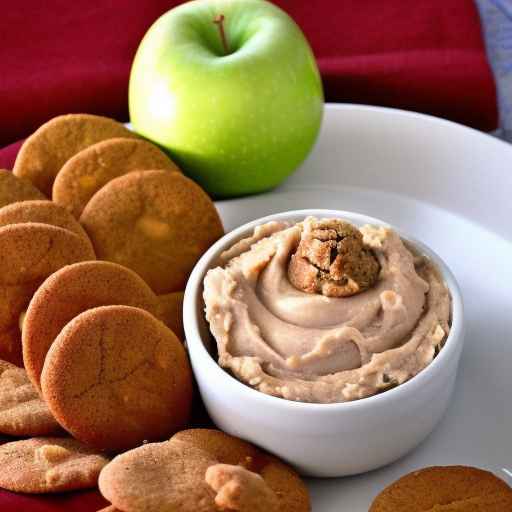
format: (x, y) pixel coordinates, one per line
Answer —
(332, 259)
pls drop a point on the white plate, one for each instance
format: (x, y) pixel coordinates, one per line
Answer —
(451, 187)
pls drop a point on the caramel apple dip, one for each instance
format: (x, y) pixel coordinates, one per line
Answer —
(322, 311)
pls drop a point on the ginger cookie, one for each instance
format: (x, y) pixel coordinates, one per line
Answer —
(157, 223)
(202, 471)
(167, 477)
(445, 489)
(171, 312)
(279, 477)
(70, 291)
(88, 171)
(29, 253)
(44, 212)
(22, 412)
(14, 189)
(49, 464)
(43, 154)
(332, 259)
(116, 376)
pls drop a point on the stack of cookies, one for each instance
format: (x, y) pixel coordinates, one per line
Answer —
(99, 231)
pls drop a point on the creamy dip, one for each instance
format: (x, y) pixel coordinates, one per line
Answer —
(312, 348)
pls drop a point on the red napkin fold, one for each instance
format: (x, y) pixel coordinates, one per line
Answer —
(58, 57)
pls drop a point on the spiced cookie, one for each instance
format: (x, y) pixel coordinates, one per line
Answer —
(44, 212)
(13, 189)
(157, 223)
(202, 471)
(88, 171)
(171, 312)
(22, 412)
(279, 477)
(166, 476)
(445, 489)
(44, 153)
(116, 376)
(332, 259)
(70, 291)
(29, 253)
(49, 464)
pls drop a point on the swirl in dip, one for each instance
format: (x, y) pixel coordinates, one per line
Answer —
(315, 348)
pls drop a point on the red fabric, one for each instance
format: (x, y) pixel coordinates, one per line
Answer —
(59, 56)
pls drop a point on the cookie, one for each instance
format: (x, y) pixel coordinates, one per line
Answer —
(171, 312)
(29, 253)
(157, 223)
(281, 478)
(332, 259)
(202, 471)
(13, 189)
(44, 212)
(22, 412)
(116, 376)
(43, 154)
(110, 508)
(88, 171)
(70, 291)
(167, 477)
(445, 489)
(49, 464)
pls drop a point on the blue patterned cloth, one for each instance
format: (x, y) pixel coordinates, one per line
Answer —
(496, 18)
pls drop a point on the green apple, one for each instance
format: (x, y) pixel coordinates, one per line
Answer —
(231, 89)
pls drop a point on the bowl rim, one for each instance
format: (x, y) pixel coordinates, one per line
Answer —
(201, 356)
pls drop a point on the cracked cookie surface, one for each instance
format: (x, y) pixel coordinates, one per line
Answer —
(49, 464)
(22, 412)
(43, 154)
(86, 172)
(158, 223)
(332, 260)
(116, 376)
(445, 489)
(70, 291)
(29, 253)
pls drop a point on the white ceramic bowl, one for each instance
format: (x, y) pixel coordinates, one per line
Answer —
(323, 440)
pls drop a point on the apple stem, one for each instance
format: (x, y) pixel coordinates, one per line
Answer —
(219, 21)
